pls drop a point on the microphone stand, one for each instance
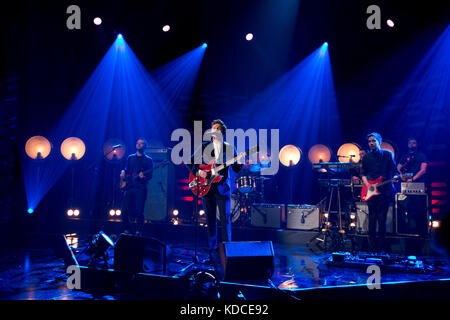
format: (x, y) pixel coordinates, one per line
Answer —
(195, 259)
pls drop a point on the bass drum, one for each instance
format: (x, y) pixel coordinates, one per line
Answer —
(234, 210)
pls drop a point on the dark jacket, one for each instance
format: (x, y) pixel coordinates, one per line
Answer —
(136, 164)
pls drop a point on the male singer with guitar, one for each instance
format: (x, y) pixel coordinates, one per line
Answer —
(378, 163)
(134, 178)
(219, 195)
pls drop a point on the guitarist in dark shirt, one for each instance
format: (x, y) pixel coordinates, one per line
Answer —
(414, 162)
(378, 163)
(219, 196)
(134, 179)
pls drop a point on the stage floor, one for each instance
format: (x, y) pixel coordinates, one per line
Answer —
(38, 274)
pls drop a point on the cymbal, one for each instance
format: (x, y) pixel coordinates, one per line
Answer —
(258, 166)
(262, 178)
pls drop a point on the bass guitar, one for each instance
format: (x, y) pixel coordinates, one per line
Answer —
(369, 192)
(200, 186)
(131, 179)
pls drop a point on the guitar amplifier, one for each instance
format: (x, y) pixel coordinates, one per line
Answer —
(362, 218)
(411, 214)
(160, 189)
(267, 215)
(303, 217)
(412, 187)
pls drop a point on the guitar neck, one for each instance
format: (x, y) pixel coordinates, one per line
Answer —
(231, 161)
(226, 164)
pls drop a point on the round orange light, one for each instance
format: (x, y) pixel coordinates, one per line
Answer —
(387, 146)
(348, 152)
(38, 147)
(290, 155)
(319, 153)
(73, 148)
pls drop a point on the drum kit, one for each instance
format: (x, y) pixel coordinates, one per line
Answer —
(249, 189)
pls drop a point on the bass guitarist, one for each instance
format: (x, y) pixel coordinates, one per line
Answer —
(134, 179)
(219, 195)
(375, 164)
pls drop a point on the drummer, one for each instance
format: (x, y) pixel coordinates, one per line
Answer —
(356, 172)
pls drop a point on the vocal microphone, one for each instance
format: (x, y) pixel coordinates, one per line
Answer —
(117, 146)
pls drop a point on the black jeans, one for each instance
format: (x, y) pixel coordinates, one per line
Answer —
(212, 200)
(133, 208)
(378, 209)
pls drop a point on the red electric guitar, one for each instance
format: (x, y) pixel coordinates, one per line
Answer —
(367, 193)
(200, 186)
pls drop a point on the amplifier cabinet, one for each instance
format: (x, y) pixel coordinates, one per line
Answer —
(411, 214)
(362, 218)
(412, 187)
(267, 215)
(303, 217)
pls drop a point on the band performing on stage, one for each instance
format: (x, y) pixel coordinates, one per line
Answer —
(232, 191)
(225, 150)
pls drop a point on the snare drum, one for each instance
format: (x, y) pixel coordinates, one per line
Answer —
(246, 184)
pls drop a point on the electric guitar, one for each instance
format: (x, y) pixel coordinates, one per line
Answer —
(131, 179)
(369, 192)
(200, 186)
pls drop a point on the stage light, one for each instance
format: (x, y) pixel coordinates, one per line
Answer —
(249, 36)
(388, 146)
(175, 212)
(166, 28)
(119, 36)
(99, 246)
(352, 225)
(204, 45)
(30, 210)
(112, 212)
(201, 212)
(70, 212)
(76, 212)
(348, 152)
(325, 215)
(352, 216)
(175, 221)
(435, 224)
(290, 155)
(324, 47)
(73, 148)
(390, 23)
(38, 147)
(97, 21)
(319, 153)
(118, 212)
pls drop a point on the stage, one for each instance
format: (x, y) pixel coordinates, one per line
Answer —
(33, 269)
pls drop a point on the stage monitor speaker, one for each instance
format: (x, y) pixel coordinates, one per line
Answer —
(411, 214)
(303, 217)
(139, 254)
(247, 260)
(160, 191)
(267, 215)
(362, 218)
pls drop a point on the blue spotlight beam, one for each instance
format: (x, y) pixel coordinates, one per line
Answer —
(302, 103)
(421, 106)
(177, 78)
(120, 99)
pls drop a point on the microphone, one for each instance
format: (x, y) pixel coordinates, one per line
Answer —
(117, 146)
